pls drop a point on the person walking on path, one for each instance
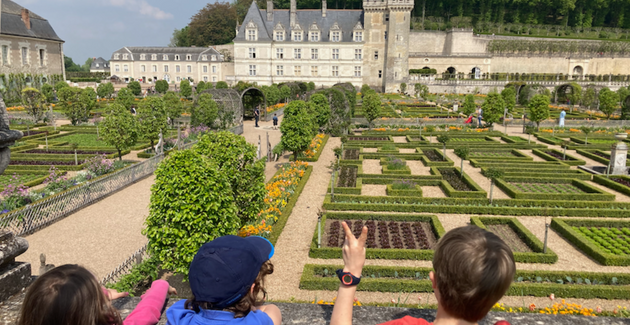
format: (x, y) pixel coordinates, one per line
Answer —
(562, 115)
(275, 121)
(256, 115)
(479, 116)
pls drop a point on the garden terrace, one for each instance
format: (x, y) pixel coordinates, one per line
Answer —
(398, 279)
(525, 246)
(556, 155)
(510, 207)
(513, 139)
(500, 154)
(599, 156)
(606, 241)
(551, 189)
(400, 236)
(540, 172)
(619, 183)
(27, 179)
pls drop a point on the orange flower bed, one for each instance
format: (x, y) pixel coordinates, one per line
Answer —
(15, 108)
(275, 107)
(314, 147)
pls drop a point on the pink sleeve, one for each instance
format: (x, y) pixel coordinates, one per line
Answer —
(148, 311)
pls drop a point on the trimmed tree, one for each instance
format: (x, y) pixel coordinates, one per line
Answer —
(161, 86)
(185, 90)
(191, 204)
(469, 106)
(119, 128)
(125, 98)
(608, 102)
(296, 129)
(403, 87)
(371, 106)
(364, 90)
(589, 97)
(237, 159)
(61, 85)
(509, 97)
(493, 108)
(173, 105)
(421, 90)
(285, 93)
(310, 86)
(462, 153)
(205, 111)
(47, 91)
(222, 85)
(105, 90)
(33, 100)
(538, 109)
(443, 139)
(152, 118)
(320, 109)
(135, 88)
(586, 130)
(77, 103)
(493, 174)
(201, 86)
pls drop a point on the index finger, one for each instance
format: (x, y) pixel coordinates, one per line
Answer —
(363, 236)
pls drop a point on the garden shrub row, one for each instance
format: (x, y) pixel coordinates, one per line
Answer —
(603, 180)
(591, 155)
(565, 228)
(592, 193)
(40, 136)
(277, 227)
(24, 147)
(374, 253)
(445, 161)
(512, 207)
(569, 160)
(475, 192)
(433, 133)
(525, 235)
(524, 164)
(348, 190)
(417, 191)
(415, 279)
(568, 173)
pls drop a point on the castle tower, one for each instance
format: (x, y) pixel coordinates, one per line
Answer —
(397, 59)
(374, 49)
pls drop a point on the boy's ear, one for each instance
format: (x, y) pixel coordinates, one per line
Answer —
(433, 280)
(251, 290)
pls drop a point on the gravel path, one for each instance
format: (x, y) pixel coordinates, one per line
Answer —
(374, 190)
(400, 139)
(370, 149)
(403, 150)
(372, 166)
(432, 191)
(418, 168)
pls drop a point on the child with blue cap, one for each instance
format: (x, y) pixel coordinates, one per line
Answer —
(227, 281)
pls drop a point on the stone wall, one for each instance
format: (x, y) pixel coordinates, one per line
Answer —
(52, 62)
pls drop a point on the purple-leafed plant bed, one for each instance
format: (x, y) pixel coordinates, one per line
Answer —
(41, 162)
(384, 234)
(68, 152)
(28, 133)
(621, 181)
(368, 138)
(557, 155)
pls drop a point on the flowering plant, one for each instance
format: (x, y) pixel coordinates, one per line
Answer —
(314, 147)
(99, 165)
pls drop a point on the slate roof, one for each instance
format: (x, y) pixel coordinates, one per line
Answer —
(345, 19)
(195, 52)
(12, 23)
(102, 64)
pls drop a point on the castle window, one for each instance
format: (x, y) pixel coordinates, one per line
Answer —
(251, 35)
(125, 68)
(297, 36)
(385, 35)
(116, 56)
(125, 56)
(214, 69)
(335, 54)
(178, 68)
(297, 53)
(143, 68)
(153, 56)
(314, 54)
(375, 55)
(213, 58)
(164, 57)
(24, 55)
(154, 68)
(188, 57)
(5, 54)
(143, 56)
(205, 78)
(42, 53)
(252, 52)
(214, 78)
(279, 53)
(166, 68)
(297, 70)
(380, 74)
(386, 17)
(204, 58)
(335, 71)
(279, 36)
(358, 54)
(357, 71)
(314, 36)
(336, 36)
(117, 68)
(205, 69)
(176, 57)
(252, 70)
(189, 68)
(314, 70)
(279, 70)
(358, 36)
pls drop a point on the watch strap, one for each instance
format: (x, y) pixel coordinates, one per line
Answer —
(347, 278)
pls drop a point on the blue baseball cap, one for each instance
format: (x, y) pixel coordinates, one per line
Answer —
(224, 269)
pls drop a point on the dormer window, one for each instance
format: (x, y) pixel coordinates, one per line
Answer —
(280, 36)
(143, 57)
(153, 56)
(125, 56)
(165, 57)
(297, 36)
(336, 36)
(116, 56)
(176, 57)
(314, 36)
(213, 58)
(252, 35)
(188, 57)
(97, 65)
(204, 58)
(358, 36)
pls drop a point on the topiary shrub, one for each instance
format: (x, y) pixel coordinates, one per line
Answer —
(191, 204)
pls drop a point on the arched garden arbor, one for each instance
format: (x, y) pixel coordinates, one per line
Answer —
(251, 98)
(230, 105)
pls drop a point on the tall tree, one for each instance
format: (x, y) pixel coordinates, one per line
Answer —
(205, 111)
(32, 100)
(493, 108)
(152, 118)
(120, 128)
(185, 90)
(371, 106)
(213, 25)
(608, 100)
(539, 109)
(509, 96)
(469, 104)
(180, 38)
(174, 106)
(296, 129)
(125, 97)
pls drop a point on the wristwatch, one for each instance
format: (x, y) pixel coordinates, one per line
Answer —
(347, 278)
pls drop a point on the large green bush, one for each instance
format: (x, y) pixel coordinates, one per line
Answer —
(191, 204)
(237, 159)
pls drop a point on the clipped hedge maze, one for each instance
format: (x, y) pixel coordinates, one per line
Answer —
(551, 189)
(402, 236)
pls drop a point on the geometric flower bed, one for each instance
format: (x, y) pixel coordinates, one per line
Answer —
(606, 241)
(526, 283)
(555, 155)
(551, 189)
(619, 183)
(526, 247)
(401, 236)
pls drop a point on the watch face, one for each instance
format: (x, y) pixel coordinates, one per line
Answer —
(346, 279)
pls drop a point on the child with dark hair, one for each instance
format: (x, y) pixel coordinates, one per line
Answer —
(275, 121)
(227, 277)
(71, 295)
(473, 270)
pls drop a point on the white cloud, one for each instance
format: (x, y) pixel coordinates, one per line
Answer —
(142, 7)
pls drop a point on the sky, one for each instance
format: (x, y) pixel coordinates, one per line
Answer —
(93, 28)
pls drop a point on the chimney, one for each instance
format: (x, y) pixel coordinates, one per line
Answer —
(293, 15)
(324, 7)
(26, 18)
(269, 10)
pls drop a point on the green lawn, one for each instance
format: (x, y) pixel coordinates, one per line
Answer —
(84, 140)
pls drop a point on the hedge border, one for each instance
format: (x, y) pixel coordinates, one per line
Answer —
(277, 228)
(319, 153)
(525, 235)
(379, 253)
(569, 160)
(476, 192)
(564, 228)
(602, 180)
(430, 163)
(309, 281)
(408, 192)
(592, 193)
